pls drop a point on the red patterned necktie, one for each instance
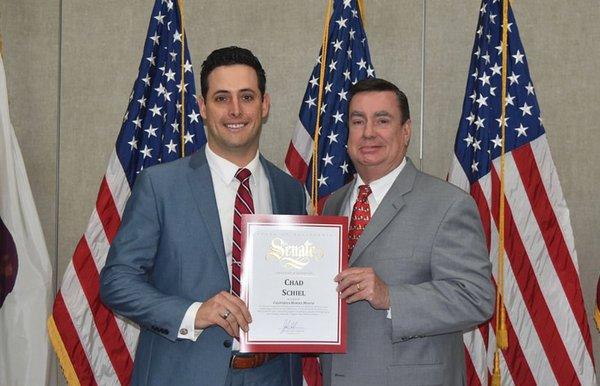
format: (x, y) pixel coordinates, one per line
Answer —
(243, 205)
(361, 214)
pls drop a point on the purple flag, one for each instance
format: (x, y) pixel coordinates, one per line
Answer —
(8, 263)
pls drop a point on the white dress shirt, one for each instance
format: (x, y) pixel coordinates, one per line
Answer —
(379, 189)
(225, 186)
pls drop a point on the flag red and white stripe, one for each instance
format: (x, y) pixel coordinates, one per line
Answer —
(549, 340)
(95, 346)
(100, 345)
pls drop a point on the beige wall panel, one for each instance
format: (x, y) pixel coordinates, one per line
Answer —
(560, 41)
(31, 38)
(102, 44)
(394, 31)
(450, 31)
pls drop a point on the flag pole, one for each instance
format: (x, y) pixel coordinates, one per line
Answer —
(361, 10)
(181, 16)
(597, 308)
(62, 354)
(314, 195)
(501, 331)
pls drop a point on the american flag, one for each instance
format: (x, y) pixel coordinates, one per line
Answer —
(548, 334)
(347, 61)
(94, 345)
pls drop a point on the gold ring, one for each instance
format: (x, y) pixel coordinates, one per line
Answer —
(358, 286)
(226, 314)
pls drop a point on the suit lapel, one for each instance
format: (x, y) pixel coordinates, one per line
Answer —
(335, 203)
(200, 181)
(276, 195)
(391, 204)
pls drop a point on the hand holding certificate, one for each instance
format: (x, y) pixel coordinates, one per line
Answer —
(288, 267)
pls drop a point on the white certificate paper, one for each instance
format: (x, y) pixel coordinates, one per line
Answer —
(288, 266)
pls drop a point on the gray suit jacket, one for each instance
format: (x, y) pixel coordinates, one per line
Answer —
(169, 253)
(425, 241)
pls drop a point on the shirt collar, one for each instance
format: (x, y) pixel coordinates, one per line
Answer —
(226, 169)
(380, 187)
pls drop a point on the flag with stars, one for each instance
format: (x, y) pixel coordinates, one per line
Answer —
(347, 61)
(95, 346)
(548, 334)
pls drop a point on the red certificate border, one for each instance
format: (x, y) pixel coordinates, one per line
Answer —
(337, 346)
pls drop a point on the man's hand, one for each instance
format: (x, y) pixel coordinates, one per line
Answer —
(362, 283)
(225, 310)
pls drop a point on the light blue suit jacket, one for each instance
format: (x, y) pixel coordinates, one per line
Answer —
(169, 253)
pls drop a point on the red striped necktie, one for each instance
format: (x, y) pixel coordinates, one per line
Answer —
(361, 214)
(243, 205)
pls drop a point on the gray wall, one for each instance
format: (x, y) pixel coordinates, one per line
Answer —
(71, 64)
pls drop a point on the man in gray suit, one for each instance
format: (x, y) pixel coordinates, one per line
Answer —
(419, 271)
(169, 268)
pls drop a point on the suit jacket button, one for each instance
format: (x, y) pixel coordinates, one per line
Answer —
(227, 343)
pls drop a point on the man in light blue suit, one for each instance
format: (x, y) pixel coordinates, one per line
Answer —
(169, 267)
(419, 271)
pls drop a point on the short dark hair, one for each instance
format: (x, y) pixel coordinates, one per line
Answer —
(228, 56)
(377, 84)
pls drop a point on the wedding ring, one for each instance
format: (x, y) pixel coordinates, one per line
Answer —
(226, 314)
(358, 286)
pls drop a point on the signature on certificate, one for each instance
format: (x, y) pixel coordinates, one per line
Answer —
(290, 327)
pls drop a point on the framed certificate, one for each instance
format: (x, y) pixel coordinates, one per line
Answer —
(288, 266)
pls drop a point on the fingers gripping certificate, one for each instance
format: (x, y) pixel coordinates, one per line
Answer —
(288, 267)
